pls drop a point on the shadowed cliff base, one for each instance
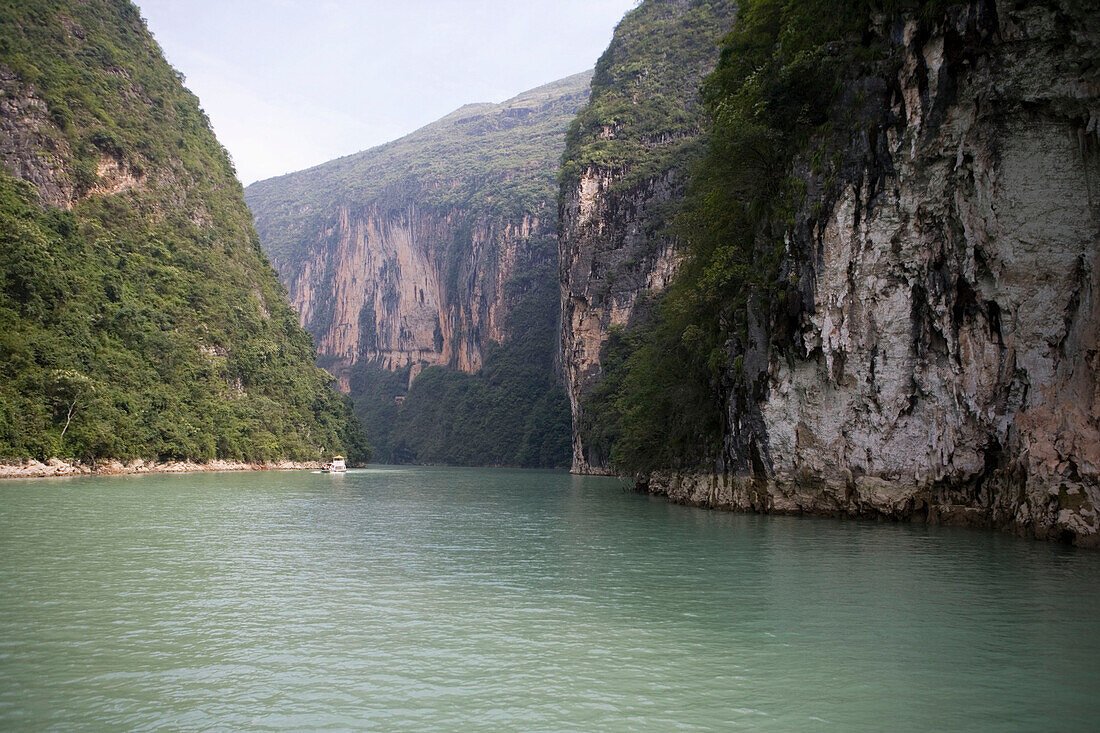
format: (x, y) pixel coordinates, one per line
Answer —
(992, 502)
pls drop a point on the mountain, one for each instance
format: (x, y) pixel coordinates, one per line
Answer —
(138, 316)
(882, 294)
(426, 271)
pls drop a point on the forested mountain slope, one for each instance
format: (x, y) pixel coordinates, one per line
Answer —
(138, 316)
(438, 252)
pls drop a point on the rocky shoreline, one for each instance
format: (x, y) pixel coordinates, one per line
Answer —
(55, 468)
(1053, 514)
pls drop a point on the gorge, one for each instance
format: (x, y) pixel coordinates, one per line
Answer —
(796, 258)
(839, 267)
(768, 261)
(437, 250)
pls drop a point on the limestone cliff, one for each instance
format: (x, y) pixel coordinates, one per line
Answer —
(947, 365)
(386, 289)
(437, 252)
(627, 163)
(399, 255)
(935, 353)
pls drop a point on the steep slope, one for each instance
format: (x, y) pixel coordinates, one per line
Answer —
(626, 165)
(420, 253)
(138, 316)
(888, 306)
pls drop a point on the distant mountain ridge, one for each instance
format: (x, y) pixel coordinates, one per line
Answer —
(443, 163)
(437, 250)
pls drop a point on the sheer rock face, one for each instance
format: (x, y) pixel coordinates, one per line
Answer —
(948, 349)
(381, 288)
(30, 145)
(609, 258)
(402, 255)
(615, 243)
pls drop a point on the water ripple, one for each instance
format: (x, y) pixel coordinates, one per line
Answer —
(444, 599)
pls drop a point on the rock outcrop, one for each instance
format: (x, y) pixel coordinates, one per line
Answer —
(29, 145)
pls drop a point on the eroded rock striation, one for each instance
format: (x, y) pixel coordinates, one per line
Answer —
(385, 288)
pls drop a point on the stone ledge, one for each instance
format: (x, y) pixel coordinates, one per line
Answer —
(1033, 511)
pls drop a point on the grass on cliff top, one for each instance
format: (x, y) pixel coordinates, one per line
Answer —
(496, 159)
(145, 323)
(645, 115)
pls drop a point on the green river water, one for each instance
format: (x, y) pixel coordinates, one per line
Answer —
(396, 598)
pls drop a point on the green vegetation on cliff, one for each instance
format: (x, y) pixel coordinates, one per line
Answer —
(485, 159)
(644, 116)
(458, 192)
(138, 316)
(513, 412)
(669, 376)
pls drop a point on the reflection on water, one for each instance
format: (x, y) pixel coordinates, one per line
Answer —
(428, 598)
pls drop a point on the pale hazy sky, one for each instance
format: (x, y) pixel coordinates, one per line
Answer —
(292, 83)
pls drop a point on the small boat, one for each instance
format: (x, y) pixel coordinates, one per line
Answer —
(337, 465)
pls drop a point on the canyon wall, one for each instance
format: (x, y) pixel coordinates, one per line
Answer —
(387, 288)
(627, 163)
(934, 355)
(419, 254)
(399, 255)
(946, 364)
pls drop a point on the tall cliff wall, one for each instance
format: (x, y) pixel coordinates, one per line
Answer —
(398, 255)
(627, 161)
(388, 288)
(946, 363)
(416, 254)
(929, 349)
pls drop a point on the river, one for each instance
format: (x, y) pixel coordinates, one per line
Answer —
(394, 598)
